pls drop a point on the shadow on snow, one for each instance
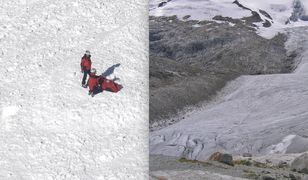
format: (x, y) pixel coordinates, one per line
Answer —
(113, 86)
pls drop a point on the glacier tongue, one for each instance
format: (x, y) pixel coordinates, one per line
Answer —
(252, 114)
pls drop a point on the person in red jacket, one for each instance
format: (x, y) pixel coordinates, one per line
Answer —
(100, 83)
(85, 67)
(109, 85)
(93, 82)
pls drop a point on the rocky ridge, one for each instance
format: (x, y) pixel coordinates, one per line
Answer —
(276, 167)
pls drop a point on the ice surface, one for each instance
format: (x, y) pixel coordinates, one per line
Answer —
(283, 145)
(9, 111)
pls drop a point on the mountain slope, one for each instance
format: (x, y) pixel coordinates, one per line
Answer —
(50, 127)
(252, 114)
(269, 17)
(189, 65)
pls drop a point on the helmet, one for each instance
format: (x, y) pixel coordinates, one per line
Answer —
(87, 53)
(93, 71)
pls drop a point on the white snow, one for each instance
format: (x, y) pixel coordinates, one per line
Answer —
(290, 144)
(251, 114)
(58, 131)
(196, 25)
(282, 147)
(197, 9)
(9, 111)
(279, 10)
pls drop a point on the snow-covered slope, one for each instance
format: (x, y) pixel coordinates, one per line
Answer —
(258, 114)
(49, 127)
(197, 9)
(279, 13)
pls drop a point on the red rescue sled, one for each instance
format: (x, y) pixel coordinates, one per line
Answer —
(110, 85)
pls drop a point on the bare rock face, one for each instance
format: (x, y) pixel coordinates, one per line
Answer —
(223, 158)
(163, 3)
(300, 164)
(265, 14)
(267, 177)
(282, 164)
(298, 12)
(266, 24)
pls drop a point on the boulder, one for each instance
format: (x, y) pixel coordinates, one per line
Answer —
(300, 164)
(186, 17)
(222, 158)
(293, 177)
(268, 178)
(282, 164)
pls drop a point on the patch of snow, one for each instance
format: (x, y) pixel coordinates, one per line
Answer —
(196, 25)
(157, 139)
(231, 24)
(9, 111)
(281, 148)
(198, 9)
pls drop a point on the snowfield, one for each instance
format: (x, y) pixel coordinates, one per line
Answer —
(258, 114)
(197, 9)
(49, 127)
(279, 10)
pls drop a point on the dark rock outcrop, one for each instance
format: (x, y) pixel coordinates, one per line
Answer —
(267, 177)
(163, 3)
(254, 18)
(267, 24)
(298, 11)
(186, 17)
(222, 158)
(241, 6)
(265, 14)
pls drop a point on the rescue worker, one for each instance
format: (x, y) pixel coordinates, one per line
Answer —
(85, 67)
(93, 82)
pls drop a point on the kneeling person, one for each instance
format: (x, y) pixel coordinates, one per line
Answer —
(93, 82)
